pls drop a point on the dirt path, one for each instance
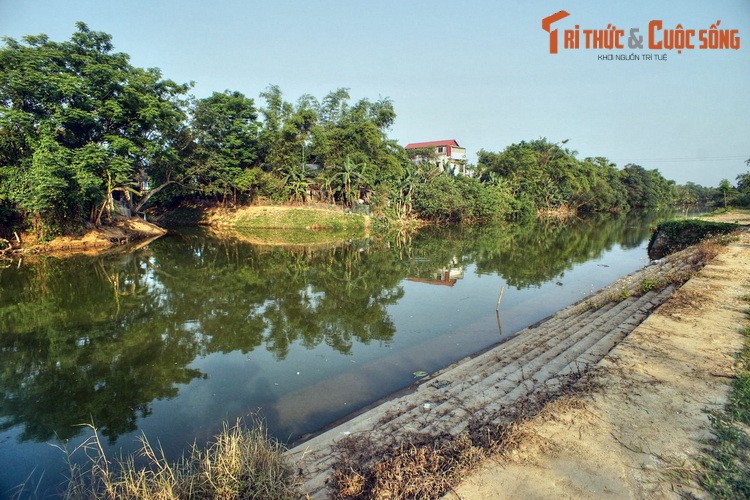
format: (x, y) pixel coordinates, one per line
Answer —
(639, 434)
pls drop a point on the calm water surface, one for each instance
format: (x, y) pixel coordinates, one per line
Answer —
(191, 331)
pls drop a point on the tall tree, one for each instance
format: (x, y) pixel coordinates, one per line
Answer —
(80, 119)
(225, 128)
(725, 187)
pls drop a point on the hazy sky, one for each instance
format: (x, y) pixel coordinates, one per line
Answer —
(479, 72)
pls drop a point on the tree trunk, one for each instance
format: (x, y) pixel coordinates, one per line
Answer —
(148, 196)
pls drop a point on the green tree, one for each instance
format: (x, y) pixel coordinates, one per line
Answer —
(349, 180)
(336, 139)
(79, 120)
(547, 174)
(226, 135)
(646, 188)
(724, 188)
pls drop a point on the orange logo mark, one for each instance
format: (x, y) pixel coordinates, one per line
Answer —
(547, 24)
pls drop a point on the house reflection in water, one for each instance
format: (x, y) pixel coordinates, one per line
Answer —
(447, 275)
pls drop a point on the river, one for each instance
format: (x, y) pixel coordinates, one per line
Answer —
(174, 339)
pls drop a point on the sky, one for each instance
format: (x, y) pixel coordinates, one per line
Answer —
(480, 72)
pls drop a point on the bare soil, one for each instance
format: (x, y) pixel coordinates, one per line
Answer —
(639, 432)
(95, 239)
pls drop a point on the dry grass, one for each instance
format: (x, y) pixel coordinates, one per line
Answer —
(421, 466)
(239, 463)
(429, 466)
(680, 301)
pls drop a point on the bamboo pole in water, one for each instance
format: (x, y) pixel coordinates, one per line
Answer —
(500, 298)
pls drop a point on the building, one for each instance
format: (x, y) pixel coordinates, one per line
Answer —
(446, 155)
(447, 275)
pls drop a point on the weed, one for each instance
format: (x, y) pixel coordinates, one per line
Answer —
(648, 284)
(726, 461)
(239, 463)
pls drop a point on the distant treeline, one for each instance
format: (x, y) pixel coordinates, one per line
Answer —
(84, 133)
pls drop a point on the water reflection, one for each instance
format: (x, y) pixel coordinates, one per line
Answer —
(103, 339)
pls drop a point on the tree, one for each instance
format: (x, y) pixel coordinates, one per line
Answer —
(743, 188)
(226, 135)
(335, 138)
(725, 187)
(80, 123)
(646, 188)
(349, 179)
(548, 174)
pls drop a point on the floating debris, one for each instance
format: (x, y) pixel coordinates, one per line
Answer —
(420, 374)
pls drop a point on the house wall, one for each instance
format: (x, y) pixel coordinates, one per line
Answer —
(452, 158)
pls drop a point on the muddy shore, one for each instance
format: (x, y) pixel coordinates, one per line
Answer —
(121, 233)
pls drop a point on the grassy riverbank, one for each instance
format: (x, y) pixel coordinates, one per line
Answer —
(267, 217)
(283, 217)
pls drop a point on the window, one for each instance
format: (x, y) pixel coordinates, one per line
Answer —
(441, 149)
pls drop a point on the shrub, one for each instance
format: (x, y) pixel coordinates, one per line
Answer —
(675, 235)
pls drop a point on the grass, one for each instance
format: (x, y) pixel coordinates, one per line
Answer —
(726, 460)
(239, 463)
(269, 217)
(648, 284)
(718, 211)
(656, 279)
(417, 468)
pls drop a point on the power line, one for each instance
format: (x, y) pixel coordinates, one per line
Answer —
(685, 159)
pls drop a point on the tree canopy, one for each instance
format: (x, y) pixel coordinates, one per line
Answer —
(84, 133)
(548, 177)
(78, 123)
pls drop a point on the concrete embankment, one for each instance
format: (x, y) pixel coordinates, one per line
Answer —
(643, 428)
(536, 363)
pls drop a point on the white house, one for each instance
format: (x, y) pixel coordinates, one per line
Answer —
(447, 155)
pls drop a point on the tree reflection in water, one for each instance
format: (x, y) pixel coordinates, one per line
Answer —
(101, 339)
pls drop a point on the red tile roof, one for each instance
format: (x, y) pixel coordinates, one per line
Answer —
(429, 144)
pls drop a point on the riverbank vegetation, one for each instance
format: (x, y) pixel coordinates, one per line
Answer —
(726, 462)
(84, 135)
(674, 235)
(239, 463)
